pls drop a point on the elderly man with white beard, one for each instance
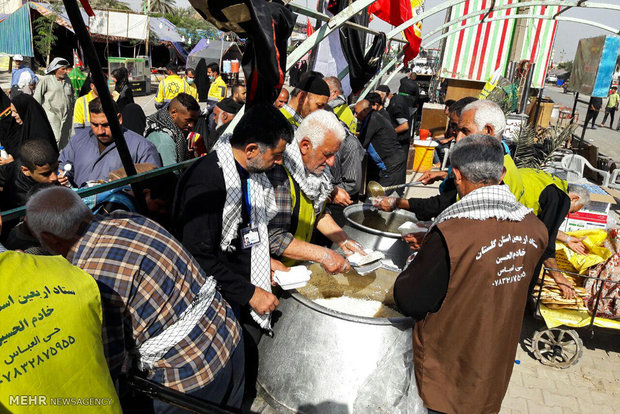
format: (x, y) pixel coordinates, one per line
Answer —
(302, 185)
(223, 113)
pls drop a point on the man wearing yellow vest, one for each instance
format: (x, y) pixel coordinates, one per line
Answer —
(302, 186)
(338, 103)
(190, 76)
(310, 94)
(170, 87)
(218, 89)
(551, 199)
(50, 338)
(81, 116)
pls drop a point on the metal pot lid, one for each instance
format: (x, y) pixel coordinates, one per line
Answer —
(369, 219)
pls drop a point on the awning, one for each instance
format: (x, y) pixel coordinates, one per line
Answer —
(16, 33)
(165, 30)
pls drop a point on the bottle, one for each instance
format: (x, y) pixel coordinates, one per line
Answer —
(3, 153)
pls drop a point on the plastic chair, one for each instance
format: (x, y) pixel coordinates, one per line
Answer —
(614, 177)
(575, 164)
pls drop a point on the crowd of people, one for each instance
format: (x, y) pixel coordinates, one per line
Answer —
(186, 287)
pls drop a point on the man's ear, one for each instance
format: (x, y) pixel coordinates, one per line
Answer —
(26, 171)
(120, 119)
(225, 116)
(488, 130)
(503, 175)
(305, 146)
(457, 175)
(251, 150)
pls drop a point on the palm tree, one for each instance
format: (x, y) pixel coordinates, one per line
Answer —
(160, 6)
(110, 5)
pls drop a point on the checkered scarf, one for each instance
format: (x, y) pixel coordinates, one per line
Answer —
(262, 199)
(162, 121)
(316, 187)
(486, 202)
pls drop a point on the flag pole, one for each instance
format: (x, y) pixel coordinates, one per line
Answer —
(101, 84)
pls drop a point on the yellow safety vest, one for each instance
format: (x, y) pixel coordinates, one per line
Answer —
(534, 182)
(81, 114)
(344, 113)
(50, 338)
(169, 88)
(302, 216)
(512, 178)
(217, 90)
(289, 117)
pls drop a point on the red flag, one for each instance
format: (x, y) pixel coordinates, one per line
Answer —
(309, 29)
(396, 12)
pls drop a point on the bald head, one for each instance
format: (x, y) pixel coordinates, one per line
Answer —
(54, 216)
(282, 99)
(335, 87)
(362, 109)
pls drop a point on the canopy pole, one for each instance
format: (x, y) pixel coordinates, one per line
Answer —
(101, 84)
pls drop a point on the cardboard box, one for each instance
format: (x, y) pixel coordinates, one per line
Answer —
(595, 216)
(434, 119)
(544, 113)
(458, 89)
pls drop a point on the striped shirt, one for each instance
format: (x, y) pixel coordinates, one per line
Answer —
(147, 279)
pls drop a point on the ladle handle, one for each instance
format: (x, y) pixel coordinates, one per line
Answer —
(395, 187)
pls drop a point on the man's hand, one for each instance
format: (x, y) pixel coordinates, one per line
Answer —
(64, 180)
(350, 246)
(340, 197)
(385, 203)
(567, 290)
(576, 245)
(334, 263)
(263, 302)
(414, 240)
(6, 160)
(430, 177)
(277, 265)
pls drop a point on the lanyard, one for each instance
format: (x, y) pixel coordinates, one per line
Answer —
(247, 199)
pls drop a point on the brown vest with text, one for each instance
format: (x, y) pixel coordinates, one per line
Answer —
(464, 353)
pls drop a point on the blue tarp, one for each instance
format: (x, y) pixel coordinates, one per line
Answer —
(16, 33)
(165, 30)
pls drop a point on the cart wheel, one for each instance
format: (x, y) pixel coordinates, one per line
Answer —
(557, 347)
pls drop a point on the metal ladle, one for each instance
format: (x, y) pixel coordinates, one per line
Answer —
(374, 189)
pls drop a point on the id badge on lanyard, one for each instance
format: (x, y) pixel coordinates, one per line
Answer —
(249, 235)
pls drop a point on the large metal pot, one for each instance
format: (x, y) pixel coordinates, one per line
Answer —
(377, 230)
(319, 358)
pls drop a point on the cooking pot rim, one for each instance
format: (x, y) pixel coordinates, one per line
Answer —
(348, 317)
(364, 207)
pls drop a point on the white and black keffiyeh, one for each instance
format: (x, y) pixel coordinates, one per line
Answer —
(316, 187)
(262, 200)
(495, 201)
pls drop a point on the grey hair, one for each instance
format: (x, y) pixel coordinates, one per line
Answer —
(488, 113)
(581, 192)
(480, 158)
(316, 125)
(56, 210)
(334, 83)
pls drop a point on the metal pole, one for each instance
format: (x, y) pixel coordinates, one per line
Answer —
(101, 84)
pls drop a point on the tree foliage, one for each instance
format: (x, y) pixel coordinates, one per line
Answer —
(160, 6)
(44, 37)
(109, 5)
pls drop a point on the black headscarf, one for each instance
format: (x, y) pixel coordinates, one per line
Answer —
(202, 80)
(35, 124)
(9, 129)
(134, 118)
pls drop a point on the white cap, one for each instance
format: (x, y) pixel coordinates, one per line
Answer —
(18, 58)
